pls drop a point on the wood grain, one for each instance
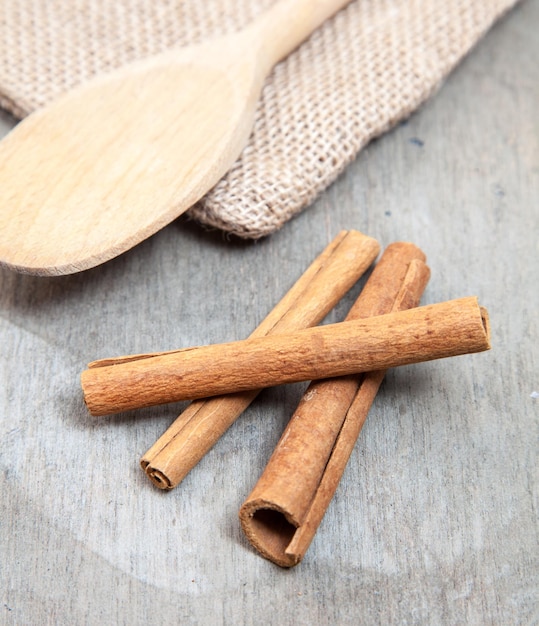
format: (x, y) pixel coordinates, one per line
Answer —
(113, 161)
(435, 519)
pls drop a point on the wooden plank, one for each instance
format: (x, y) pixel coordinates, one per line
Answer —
(435, 519)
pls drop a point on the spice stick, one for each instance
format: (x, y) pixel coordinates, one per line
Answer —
(281, 515)
(400, 338)
(310, 299)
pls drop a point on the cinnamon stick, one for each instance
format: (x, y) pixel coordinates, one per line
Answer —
(309, 300)
(400, 338)
(281, 515)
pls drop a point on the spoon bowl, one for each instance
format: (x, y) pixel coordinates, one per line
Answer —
(116, 159)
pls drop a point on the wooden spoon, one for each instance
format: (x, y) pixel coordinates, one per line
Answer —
(116, 159)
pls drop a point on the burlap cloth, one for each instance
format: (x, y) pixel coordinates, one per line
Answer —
(360, 73)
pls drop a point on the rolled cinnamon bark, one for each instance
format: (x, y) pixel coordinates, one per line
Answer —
(421, 334)
(203, 422)
(281, 515)
(309, 300)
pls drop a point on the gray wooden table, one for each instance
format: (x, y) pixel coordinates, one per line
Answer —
(435, 521)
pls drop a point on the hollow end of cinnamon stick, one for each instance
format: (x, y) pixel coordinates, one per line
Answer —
(158, 478)
(270, 530)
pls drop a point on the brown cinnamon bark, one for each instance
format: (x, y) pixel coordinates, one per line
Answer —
(281, 515)
(400, 338)
(204, 421)
(309, 300)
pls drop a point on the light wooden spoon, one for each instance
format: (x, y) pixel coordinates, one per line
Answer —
(116, 159)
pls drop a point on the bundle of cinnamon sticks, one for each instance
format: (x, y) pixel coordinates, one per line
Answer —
(346, 362)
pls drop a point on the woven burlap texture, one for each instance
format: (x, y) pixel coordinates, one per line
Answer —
(360, 73)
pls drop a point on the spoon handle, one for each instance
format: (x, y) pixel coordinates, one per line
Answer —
(285, 25)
